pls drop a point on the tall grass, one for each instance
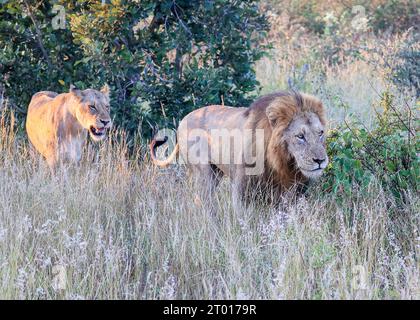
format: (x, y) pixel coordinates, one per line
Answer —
(116, 228)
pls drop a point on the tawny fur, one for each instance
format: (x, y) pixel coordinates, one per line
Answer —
(58, 124)
(276, 114)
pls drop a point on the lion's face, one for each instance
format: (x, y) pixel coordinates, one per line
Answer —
(92, 111)
(305, 141)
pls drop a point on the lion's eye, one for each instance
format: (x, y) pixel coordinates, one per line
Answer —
(321, 133)
(92, 107)
(300, 137)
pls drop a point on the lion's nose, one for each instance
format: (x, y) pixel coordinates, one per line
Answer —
(104, 122)
(319, 161)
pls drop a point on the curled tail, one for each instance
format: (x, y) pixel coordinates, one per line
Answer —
(157, 143)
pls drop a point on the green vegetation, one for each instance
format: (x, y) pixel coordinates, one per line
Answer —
(388, 153)
(162, 59)
(116, 228)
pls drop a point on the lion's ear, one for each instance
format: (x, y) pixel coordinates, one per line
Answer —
(105, 90)
(78, 93)
(280, 112)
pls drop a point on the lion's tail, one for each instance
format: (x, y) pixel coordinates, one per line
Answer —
(154, 144)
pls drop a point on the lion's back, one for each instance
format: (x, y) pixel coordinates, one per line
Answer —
(39, 99)
(40, 121)
(214, 117)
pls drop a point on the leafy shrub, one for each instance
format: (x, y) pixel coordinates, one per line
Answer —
(387, 153)
(395, 15)
(406, 72)
(161, 58)
(311, 20)
(398, 60)
(33, 56)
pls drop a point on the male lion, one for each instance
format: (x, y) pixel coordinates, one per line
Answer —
(57, 124)
(284, 132)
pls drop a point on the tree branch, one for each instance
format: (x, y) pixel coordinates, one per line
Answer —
(157, 20)
(38, 34)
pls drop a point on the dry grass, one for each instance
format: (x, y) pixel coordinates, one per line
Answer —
(350, 87)
(114, 228)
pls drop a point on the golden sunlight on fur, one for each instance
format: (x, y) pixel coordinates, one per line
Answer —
(293, 126)
(57, 124)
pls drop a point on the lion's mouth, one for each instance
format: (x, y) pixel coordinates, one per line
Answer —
(98, 132)
(312, 170)
(312, 173)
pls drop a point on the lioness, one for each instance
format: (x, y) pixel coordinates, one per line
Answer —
(284, 131)
(57, 124)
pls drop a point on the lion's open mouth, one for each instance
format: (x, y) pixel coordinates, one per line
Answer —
(98, 132)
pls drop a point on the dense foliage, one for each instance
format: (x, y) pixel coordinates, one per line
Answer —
(388, 153)
(378, 16)
(406, 72)
(161, 58)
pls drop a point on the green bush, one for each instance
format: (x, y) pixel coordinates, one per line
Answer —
(162, 59)
(406, 71)
(395, 15)
(387, 153)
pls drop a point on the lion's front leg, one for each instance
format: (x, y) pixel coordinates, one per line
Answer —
(70, 150)
(239, 188)
(52, 162)
(207, 178)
